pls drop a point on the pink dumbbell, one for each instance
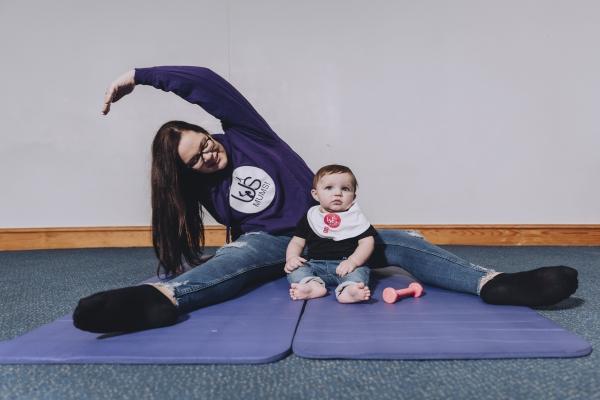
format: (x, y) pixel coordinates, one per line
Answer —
(391, 295)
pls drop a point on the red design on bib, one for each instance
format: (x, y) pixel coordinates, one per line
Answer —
(332, 220)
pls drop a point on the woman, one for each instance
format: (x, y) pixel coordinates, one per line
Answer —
(253, 183)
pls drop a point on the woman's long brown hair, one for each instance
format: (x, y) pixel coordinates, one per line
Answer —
(177, 227)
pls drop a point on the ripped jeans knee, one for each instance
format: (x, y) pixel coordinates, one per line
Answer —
(168, 289)
(253, 258)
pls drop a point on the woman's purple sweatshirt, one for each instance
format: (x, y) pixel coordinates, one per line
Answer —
(266, 185)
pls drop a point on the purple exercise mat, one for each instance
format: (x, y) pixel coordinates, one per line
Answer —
(256, 327)
(439, 325)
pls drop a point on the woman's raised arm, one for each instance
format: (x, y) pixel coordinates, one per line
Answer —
(199, 86)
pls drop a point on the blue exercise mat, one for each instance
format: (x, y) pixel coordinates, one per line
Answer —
(256, 327)
(439, 325)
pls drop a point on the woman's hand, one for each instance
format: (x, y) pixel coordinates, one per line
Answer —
(120, 87)
(293, 263)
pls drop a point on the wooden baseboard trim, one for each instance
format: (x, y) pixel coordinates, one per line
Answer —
(140, 236)
(509, 235)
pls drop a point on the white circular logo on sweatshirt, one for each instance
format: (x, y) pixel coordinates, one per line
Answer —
(252, 190)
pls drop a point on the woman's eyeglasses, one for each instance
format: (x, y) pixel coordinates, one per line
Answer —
(206, 147)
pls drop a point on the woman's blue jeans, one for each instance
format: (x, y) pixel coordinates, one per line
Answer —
(258, 257)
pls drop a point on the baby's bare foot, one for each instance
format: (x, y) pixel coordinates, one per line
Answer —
(354, 293)
(309, 290)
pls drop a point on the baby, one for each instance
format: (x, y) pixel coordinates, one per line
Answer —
(339, 238)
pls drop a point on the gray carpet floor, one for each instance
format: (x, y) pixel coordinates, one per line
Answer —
(39, 286)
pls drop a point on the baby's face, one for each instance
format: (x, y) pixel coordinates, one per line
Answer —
(334, 192)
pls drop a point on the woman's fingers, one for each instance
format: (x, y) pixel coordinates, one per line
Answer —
(120, 87)
(107, 101)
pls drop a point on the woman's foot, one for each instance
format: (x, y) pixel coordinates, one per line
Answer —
(308, 290)
(539, 287)
(124, 310)
(354, 293)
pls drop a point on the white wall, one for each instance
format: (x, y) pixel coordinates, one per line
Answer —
(463, 112)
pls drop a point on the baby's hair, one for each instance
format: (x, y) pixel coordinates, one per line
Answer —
(334, 169)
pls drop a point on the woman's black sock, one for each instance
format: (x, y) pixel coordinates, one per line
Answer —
(539, 287)
(124, 310)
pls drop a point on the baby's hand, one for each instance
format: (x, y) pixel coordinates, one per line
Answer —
(293, 263)
(345, 267)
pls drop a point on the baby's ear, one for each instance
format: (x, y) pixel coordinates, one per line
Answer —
(313, 192)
